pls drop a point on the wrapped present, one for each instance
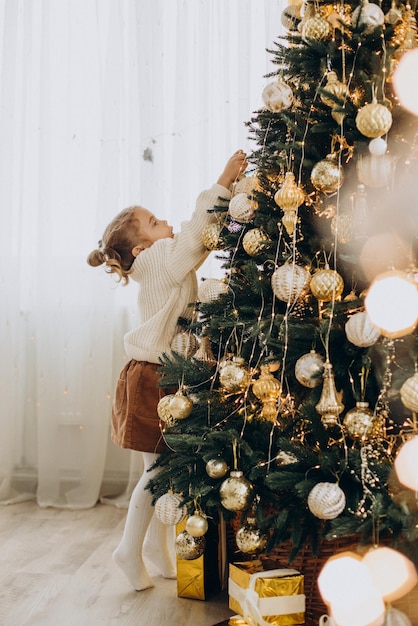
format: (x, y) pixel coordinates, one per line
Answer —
(265, 598)
(205, 576)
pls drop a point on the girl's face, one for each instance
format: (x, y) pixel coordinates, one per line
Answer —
(151, 229)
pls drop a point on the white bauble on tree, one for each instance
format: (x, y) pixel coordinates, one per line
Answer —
(211, 289)
(290, 282)
(169, 509)
(197, 524)
(368, 15)
(395, 617)
(361, 331)
(409, 393)
(326, 500)
(236, 492)
(242, 208)
(185, 343)
(277, 96)
(309, 369)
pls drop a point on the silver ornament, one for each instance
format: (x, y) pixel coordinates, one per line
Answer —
(309, 369)
(236, 492)
(188, 547)
(361, 331)
(250, 539)
(216, 468)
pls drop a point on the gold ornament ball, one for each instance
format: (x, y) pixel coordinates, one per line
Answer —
(335, 88)
(277, 96)
(180, 406)
(374, 120)
(316, 27)
(163, 409)
(254, 240)
(327, 176)
(211, 289)
(247, 185)
(188, 547)
(250, 539)
(342, 227)
(242, 208)
(169, 509)
(236, 492)
(326, 285)
(216, 468)
(211, 237)
(326, 500)
(185, 343)
(234, 375)
(289, 197)
(197, 525)
(290, 282)
(360, 423)
(309, 369)
(409, 393)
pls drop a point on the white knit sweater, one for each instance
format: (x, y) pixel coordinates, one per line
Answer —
(166, 273)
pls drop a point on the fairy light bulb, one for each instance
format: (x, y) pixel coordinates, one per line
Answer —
(406, 88)
(393, 573)
(406, 464)
(392, 303)
(343, 576)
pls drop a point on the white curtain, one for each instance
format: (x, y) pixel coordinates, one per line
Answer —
(103, 103)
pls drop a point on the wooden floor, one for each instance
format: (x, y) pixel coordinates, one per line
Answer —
(56, 569)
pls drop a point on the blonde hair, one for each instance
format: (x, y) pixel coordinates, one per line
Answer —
(115, 247)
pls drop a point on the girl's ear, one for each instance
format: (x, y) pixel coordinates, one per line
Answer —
(136, 250)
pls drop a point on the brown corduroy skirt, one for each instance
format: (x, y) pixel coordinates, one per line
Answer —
(135, 421)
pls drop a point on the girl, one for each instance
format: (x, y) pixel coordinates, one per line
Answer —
(137, 245)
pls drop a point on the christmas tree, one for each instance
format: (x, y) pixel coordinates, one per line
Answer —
(301, 393)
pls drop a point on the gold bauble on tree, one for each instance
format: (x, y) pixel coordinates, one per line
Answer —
(309, 369)
(180, 406)
(329, 406)
(326, 285)
(234, 375)
(254, 241)
(216, 468)
(342, 227)
(374, 120)
(236, 492)
(188, 547)
(267, 389)
(250, 539)
(277, 96)
(246, 184)
(211, 236)
(185, 343)
(335, 88)
(163, 409)
(361, 423)
(197, 524)
(327, 175)
(204, 352)
(242, 208)
(289, 197)
(316, 27)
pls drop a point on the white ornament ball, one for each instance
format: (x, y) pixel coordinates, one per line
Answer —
(409, 393)
(197, 525)
(378, 146)
(361, 331)
(326, 500)
(395, 617)
(242, 208)
(169, 509)
(309, 369)
(290, 282)
(369, 15)
(277, 96)
(185, 343)
(211, 289)
(375, 171)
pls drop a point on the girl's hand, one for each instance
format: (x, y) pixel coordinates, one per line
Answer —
(235, 166)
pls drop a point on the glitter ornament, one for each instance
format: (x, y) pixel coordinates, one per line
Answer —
(329, 406)
(169, 509)
(342, 227)
(373, 119)
(242, 208)
(335, 88)
(277, 96)
(216, 468)
(249, 538)
(361, 423)
(327, 175)
(188, 547)
(211, 289)
(409, 393)
(236, 492)
(180, 406)
(211, 236)
(361, 331)
(317, 28)
(254, 241)
(163, 410)
(290, 282)
(234, 375)
(246, 184)
(309, 369)
(197, 525)
(289, 197)
(267, 389)
(326, 500)
(326, 285)
(185, 343)
(367, 16)
(204, 352)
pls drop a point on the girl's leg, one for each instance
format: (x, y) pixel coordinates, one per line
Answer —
(157, 548)
(128, 554)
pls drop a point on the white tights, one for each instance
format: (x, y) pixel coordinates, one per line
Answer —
(132, 547)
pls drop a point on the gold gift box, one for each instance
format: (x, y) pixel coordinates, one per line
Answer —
(201, 578)
(274, 597)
